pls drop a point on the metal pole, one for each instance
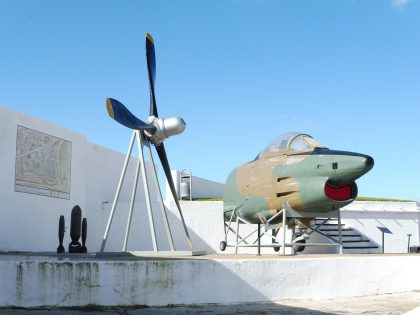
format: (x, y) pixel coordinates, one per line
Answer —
(227, 229)
(340, 233)
(117, 194)
(133, 198)
(383, 243)
(259, 239)
(237, 234)
(140, 141)
(190, 186)
(160, 199)
(283, 247)
(294, 248)
(408, 246)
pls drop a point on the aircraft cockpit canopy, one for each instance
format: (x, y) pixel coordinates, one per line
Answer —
(293, 142)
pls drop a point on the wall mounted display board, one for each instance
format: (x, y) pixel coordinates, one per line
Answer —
(43, 164)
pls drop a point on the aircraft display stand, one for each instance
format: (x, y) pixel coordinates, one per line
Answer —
(142, 143)
(277, 243)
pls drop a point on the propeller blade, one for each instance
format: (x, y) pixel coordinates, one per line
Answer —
(164, 160)
(151, 68)
(121, 114)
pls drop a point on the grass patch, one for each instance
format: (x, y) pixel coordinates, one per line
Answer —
(381, 199)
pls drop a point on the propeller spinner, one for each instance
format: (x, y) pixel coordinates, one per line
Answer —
(155, 129)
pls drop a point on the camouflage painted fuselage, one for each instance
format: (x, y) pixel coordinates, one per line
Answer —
(316, 180)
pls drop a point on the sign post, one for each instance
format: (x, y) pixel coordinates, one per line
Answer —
(384, 230)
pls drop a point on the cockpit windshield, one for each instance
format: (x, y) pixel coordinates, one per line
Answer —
(293, 142)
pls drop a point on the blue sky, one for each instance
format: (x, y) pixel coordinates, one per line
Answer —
(240, 72)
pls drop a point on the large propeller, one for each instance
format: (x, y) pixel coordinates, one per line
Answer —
(151, 69)
(155, 129)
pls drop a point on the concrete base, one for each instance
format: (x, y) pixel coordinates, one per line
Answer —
(161, 254)
(33, 280)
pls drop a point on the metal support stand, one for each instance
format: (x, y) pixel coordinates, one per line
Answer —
(259, 239)
(384, 231)
(340, 232)
(408, 246)
(141, 167)
(277, 242)
(383, 243)
(241, 241)
(283, 247)
(237, 235)
(160, 200)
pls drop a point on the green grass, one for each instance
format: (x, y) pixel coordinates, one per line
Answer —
(381, 199)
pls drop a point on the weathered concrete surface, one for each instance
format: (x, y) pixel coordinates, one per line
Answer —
(389, 304)
(51, 280)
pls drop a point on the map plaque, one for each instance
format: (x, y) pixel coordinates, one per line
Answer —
(43, 164)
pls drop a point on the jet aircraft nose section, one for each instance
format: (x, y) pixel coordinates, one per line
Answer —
(369, 162)
(366, 163)
(348, 166)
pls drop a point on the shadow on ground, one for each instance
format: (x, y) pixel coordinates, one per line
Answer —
(255, 308)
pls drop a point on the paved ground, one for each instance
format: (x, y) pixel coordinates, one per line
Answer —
(388, 304)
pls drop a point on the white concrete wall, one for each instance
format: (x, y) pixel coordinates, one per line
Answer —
(29, 222)
(401, 218)
(205, 222)
(48, 281)
(201, 188)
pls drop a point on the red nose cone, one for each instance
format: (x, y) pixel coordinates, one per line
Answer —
(339, 193)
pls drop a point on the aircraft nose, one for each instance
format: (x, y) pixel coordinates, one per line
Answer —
(361, 164)
(369, 162)
(349, 166)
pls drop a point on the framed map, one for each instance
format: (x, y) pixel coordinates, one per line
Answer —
(43, 164)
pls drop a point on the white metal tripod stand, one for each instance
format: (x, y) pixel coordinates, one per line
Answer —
(141, 143)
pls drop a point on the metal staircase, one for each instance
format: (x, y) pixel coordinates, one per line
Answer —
(354, 242)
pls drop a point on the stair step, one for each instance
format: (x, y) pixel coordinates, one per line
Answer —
(353, 241)
(336, 230)
(330, 224)
(360, 247)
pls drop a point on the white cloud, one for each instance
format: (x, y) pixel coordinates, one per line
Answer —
(400, 3)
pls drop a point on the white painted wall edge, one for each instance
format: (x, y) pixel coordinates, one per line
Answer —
(38, 282)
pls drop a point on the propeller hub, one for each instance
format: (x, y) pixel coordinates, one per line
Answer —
(165, 128)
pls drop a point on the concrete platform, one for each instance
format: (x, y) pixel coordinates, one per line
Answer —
(50, 280)
(387, 304)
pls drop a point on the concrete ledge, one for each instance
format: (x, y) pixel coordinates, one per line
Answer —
(50, 280)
